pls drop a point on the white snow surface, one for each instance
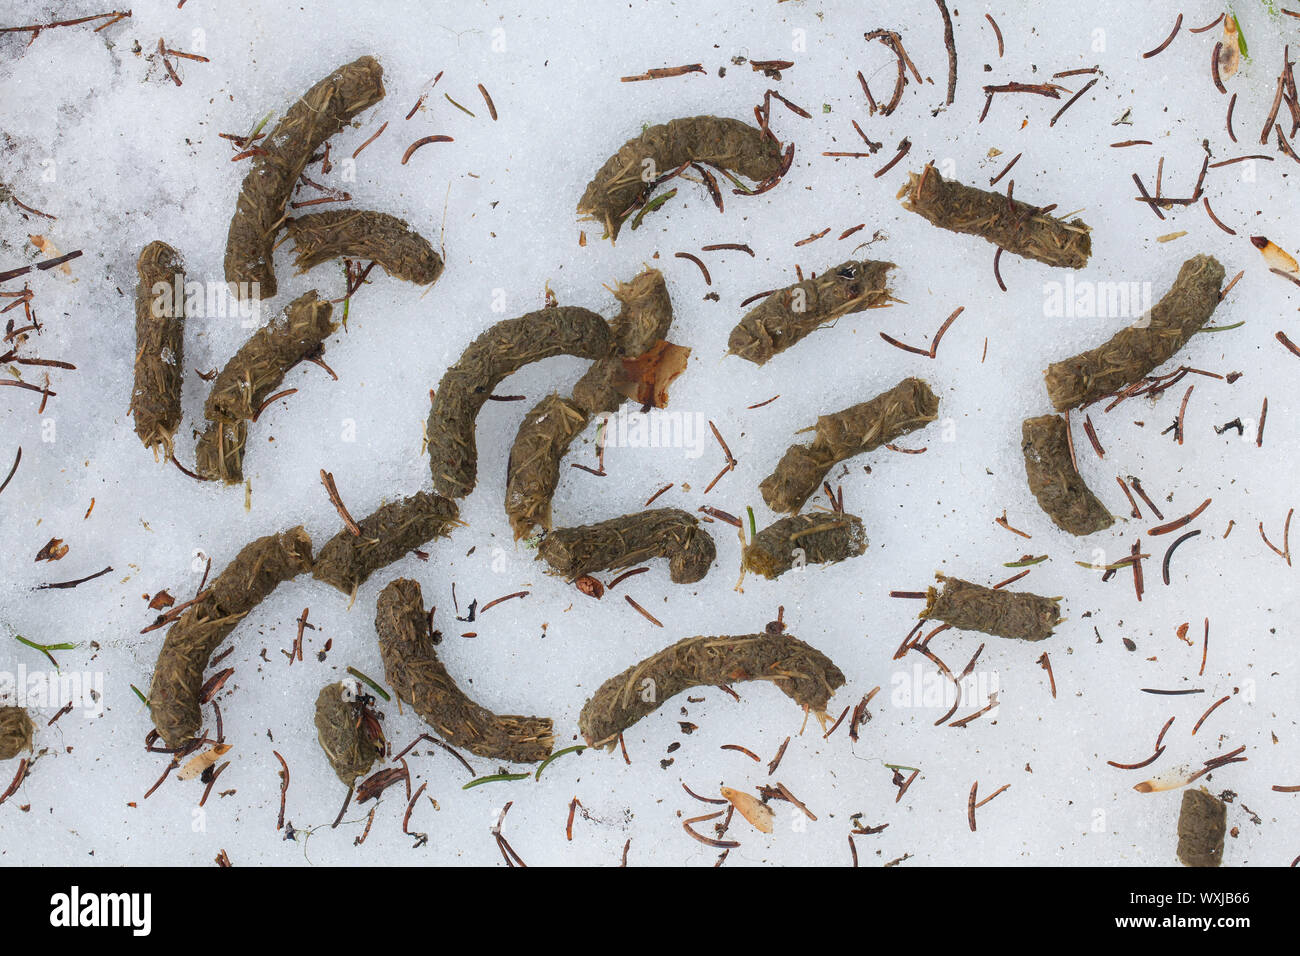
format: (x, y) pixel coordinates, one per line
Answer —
(97, 134)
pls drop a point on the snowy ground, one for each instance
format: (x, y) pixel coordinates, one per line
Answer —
(98, 135)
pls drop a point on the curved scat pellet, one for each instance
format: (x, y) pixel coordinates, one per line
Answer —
(622, 542)
(533, 471)
(501, 350)
(1054, 480)
(861, 428)
(1139, 349)
(626, 178)
(417, 676)
(259, 211)
(244, 583)
(366, 236)
(389, 534)
(789, 315)
(801, 672)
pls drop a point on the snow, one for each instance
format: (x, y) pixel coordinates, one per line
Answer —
(99, 136)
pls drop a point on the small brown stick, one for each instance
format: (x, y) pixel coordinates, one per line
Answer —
(1003, 522)
(708, 841)
(492, 109)
(1154, 206)
(1205, 648)
(692, 793)
(703, 268)
(1180, 522)
(1170, 552)
(903, 784)
(1005, 169)
(785, 792)
(1137, 486)
(1011, 580)
(1139, 765)
(63, 585)
(573, 804)
(776, 761)
(903, 148)
(1214, 69)
(1168, 40)
(744, 750)
(644, 613)
(425, 141)
(951, 47)
(970, 805)
(664, 72)
(1182, 412)
(327, 479)
(1212, 709)
(835, 726)
(1134, 510)
(997, 32)
(212, 782)
(1072, 100)
(357, 152)
(1285, 551)
(284, 788)
(285, 393)
(1259, 435)
(731, 459)
(624, 576)
(721, 515)
(653, 497)
(496, 601)
(1205, 201)
(1291, 346)
(1209, 26)
(735, 246)
(993, 702)
(1045, 663)
(12, 469)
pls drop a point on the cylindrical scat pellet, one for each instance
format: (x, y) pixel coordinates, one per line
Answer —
(345, 730)
(799, 540)
(219, 454)
(159, 346)
(1140, 348)
(416, 675)
(320, 113)
(367, 237)
(1202, 822)
(789, 315)
(622, 542)
(503, 349)
(802, 673)
(258, 368)
(387, 535)
(971, 607)
(1054, 480)
(533, 471)
(624, 181)
(861, 428)
(1010, 224)
(15, 732)
(244, 583)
